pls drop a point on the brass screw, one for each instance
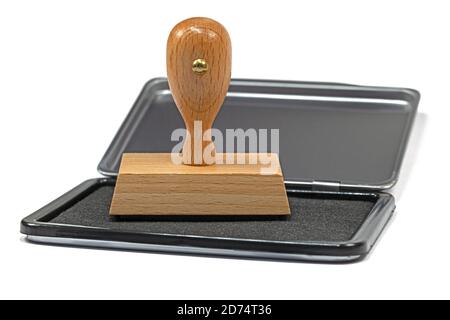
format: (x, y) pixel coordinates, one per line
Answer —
(199, 66)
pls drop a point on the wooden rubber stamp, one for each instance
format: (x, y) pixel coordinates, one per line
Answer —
(199, 181)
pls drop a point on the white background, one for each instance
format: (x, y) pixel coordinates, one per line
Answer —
(70, 71)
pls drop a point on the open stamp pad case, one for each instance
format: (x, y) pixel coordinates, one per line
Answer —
(340, 146)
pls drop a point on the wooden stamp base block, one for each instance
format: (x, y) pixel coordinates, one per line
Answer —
(151, 184)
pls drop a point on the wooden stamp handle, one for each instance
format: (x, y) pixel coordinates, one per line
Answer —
(199, 71)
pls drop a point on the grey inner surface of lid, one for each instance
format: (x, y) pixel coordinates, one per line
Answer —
(354, 136)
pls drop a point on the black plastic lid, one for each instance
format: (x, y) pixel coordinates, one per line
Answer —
(332, 136)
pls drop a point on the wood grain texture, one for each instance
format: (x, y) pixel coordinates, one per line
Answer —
(150, 184)
(198, 96)
(199, 71)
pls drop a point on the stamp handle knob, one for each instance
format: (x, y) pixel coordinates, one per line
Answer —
(199, 72)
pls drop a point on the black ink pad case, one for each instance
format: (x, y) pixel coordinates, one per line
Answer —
(341, 149)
